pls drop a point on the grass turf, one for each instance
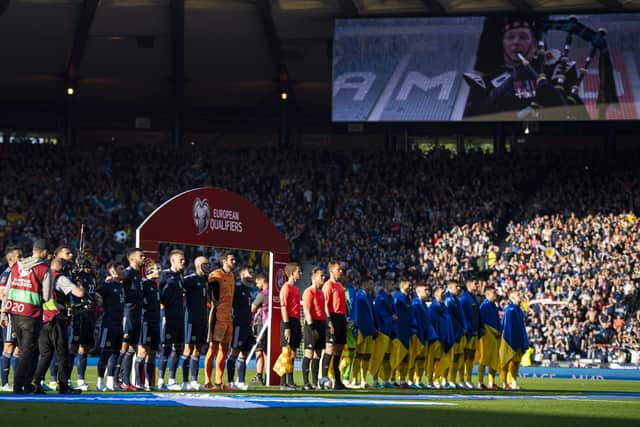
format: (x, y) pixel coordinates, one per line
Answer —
(465, 413)
(517, 413)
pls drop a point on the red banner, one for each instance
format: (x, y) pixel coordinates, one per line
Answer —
(218, 218)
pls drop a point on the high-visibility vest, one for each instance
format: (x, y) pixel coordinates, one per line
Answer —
(24, 297)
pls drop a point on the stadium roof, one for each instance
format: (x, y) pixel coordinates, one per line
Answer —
(235, 51)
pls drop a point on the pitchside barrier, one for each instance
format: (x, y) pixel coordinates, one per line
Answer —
(215, 217)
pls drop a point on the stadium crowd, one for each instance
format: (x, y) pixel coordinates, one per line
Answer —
(558, 226)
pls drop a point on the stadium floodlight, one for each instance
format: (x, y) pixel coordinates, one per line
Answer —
(284, 95)
(526, 129)
(70, 91)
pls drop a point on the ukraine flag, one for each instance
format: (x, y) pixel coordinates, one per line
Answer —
(514, 335)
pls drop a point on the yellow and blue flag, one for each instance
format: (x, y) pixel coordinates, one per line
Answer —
(514, 335)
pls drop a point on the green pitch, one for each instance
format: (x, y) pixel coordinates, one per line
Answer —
(493, 413)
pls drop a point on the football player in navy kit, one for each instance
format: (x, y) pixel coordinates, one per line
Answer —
(133, 297)
(149, 340)
(242, 333)
(196, 313)
(172, 299)
(110, 296)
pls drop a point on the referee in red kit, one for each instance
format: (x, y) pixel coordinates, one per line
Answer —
(336, 308)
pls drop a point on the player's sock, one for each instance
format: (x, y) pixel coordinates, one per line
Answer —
(468, 370)
(164, 359)
(452, 372)
(492, 376)
(242, 369)
(6, 363)
(220, 360)
(231, 368)
(290, 378)
(503, 374)
(71, 362)
(16, 362)
(208, 362)
(355, 370)
(403, 370)
(127, 363)
(326, 362)
(102, 363)
(112, 364)
(385, 370)
(149, 370)
(305, 370)
(348, 356)
(173, 363)
(118, 365)
(82, 366)
(195, 365)
(137, 370)
(186, 364)
(514, 367)
(481, 374)
(460, 368)
(336, 369)
(315, 365)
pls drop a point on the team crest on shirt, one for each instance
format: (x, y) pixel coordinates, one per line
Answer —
(201, 214)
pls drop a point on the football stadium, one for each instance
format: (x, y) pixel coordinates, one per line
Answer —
(320, 212)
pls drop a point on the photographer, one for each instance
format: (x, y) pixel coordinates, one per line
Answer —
(54, 332)
(28, 281)
(9, 349)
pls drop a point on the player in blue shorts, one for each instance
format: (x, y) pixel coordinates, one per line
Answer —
(110, 296)
(242, 337)
(133, 297)
(172, 299)
(196, 316)
(149, 339)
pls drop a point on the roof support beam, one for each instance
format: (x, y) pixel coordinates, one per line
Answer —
(522, 6)
(80, 38)
(177, 43)
(616, 5)
(176, 12)
(349, 7)
(435, 7)
(265, 10)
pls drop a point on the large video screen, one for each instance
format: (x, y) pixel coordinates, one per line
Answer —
(494, 68)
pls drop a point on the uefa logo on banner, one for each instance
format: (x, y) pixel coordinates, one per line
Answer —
(201, 215)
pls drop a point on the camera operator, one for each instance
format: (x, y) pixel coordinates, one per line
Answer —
(84, 324)
(66, 256)
(53, 337)
(28, 281)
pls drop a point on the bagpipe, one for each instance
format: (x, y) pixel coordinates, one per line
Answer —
(607, 93)
(548, 78)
